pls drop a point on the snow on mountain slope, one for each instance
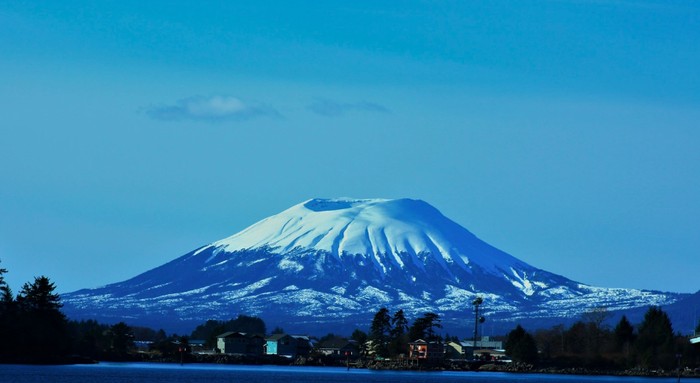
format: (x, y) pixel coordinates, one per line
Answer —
(394, 231)
(332, 262)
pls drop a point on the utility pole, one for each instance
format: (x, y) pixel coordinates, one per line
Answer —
(477, 302)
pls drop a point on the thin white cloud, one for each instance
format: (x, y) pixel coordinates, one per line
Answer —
(212, 108)
(330, 108)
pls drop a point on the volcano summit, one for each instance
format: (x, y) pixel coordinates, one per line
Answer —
(329, 264)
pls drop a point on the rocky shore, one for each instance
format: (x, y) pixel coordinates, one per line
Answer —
(528, 368)
(410, 365)
(519, 368)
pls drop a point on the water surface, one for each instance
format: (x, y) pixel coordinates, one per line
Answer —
(210, 373)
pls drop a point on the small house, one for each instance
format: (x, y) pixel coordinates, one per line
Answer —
(287, 345)
(339, 347)
(421, 349)
(234, 342)
(469, 349)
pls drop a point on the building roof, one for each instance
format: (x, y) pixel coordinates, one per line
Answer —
(228, 334)
(482, 343)
(238, 334)
(276, 337)
(336, 343)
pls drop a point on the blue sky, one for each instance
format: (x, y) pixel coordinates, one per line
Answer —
(563, 132)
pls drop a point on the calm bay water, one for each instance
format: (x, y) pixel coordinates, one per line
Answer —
(150, 372)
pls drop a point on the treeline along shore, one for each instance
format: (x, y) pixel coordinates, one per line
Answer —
(33, 330)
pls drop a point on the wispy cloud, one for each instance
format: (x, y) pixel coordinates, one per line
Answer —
(330, 108)
(212, 108)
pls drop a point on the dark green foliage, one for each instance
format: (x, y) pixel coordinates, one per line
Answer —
(399, 338)
(247, 324)
(32, 327)
(208, 332)
(7, 317)
(34, 330)
(278, 330)
(399, 323)
(89, 338)
(39, 296)
(168, 347)
(380, 331)
(550, 342)
(121, 339)
(624, 336)
(655, 342)
(40, 327)
(390, 335)
(590, 345)
(5, 291)
(521, 346)
(359, 336)
(424, 327)
(326, 337)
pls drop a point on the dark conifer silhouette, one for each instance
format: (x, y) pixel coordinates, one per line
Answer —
(521, 346)
(380, 332)
(655, 344)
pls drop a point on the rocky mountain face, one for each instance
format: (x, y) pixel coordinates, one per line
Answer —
(329, 264)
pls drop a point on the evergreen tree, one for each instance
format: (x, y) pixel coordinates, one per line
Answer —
(424, 327)
(360, 337)
(380, 331)
(596, 332)
(247, 324)
(6, 297)
(43, 329)
(576, 339)
(40, 296)
(624, 335)
(89, 338)
(208, 332)
(521, 346)
(121, 339)
(654, 343)
(399, 338)
(5, 291)
(7, 320)
(550, 342)
(399, 323)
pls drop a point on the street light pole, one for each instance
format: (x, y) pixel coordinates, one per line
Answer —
(477, 302)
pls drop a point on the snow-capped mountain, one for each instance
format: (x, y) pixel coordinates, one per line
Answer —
(331, 263)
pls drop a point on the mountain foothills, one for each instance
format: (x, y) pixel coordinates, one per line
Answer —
(328, 264)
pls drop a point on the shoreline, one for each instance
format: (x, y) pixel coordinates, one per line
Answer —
(393, 365)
